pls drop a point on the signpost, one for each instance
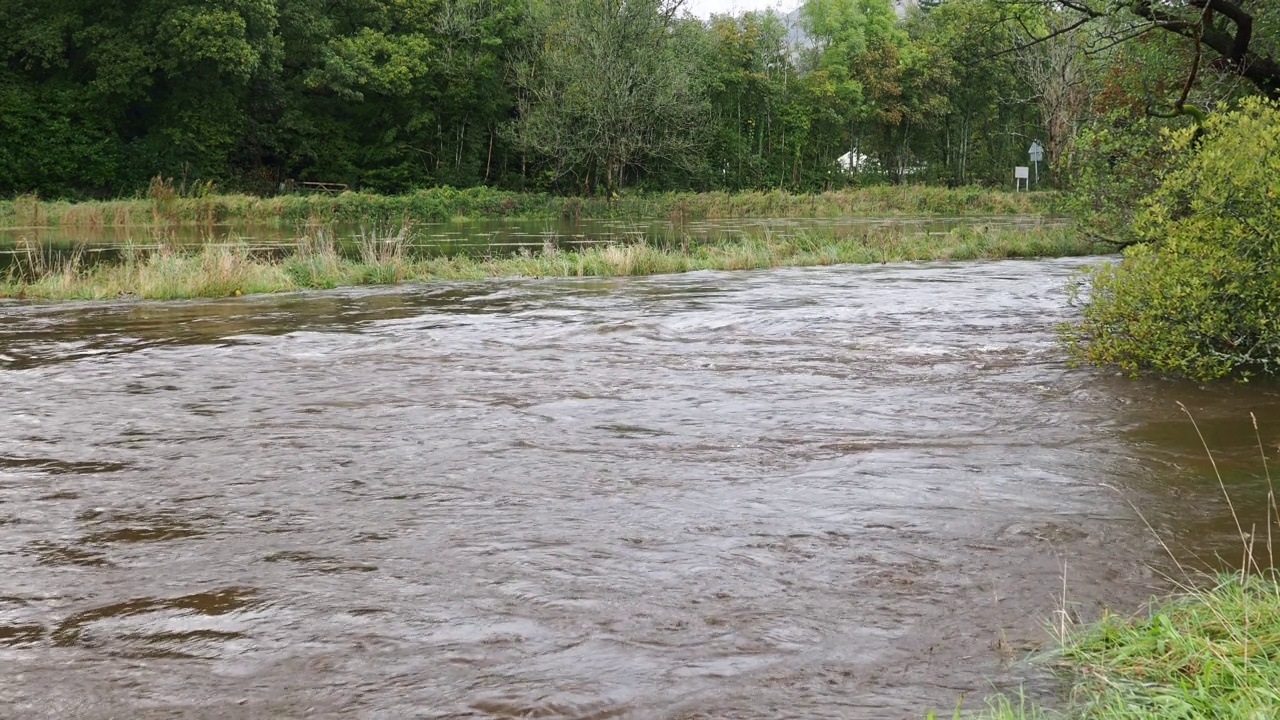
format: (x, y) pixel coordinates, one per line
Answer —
(1037, 154)
(1020, 175)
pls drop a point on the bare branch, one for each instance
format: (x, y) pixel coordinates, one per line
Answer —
(1038, 40)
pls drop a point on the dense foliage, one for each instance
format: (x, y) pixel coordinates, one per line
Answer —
(1199, 295)
(571, 96)
(590, 96)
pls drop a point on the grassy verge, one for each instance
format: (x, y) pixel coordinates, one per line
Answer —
(1212, 652)
(439, 204)
(221, 270)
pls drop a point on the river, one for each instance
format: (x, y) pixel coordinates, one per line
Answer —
(840, 492)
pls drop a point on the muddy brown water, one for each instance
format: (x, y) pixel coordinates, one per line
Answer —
(844, 492)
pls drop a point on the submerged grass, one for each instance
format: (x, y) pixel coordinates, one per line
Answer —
(1210, 651)
(224, 270)
(440, 204)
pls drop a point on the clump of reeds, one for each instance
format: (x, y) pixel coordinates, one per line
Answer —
(385, 252)
(33, 263)
(216, 270)
(315, 262)
(164, 198)
(121, 215)
(27, 211)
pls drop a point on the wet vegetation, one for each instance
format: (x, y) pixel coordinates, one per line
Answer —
(163, 204)
(1208, 652)
(1198, 291)
(319, 262)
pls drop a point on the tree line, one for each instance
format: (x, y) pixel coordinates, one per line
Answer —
(591, 96)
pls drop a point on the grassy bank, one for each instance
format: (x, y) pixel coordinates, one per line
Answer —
(440, 204)
(222, 270)
(1212, 652)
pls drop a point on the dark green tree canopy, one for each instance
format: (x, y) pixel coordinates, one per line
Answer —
(593, 96)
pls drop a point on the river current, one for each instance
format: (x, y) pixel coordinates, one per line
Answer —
(841, 492)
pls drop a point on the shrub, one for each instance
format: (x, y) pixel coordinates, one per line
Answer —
(1200, 295)
(1112, 166)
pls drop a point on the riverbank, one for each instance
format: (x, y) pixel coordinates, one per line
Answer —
(1212, 652)
(442, 204)
(318, 262)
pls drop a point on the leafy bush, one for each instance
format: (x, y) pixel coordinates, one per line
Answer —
(1112, 165)
(1200, 296)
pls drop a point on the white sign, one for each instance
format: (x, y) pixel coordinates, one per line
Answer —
(1021, 173)
(1036, 151)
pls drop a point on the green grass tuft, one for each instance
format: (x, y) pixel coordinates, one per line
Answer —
(1211, 652)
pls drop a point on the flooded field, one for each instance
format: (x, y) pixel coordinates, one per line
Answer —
(477, 237)
(836, 492)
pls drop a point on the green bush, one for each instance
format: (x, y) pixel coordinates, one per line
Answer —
(1114, 163)
(1200, 296)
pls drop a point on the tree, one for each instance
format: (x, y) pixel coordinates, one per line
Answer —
(112, 90)
(748, 77)
(97, 98)
(1059, 73)
(607, 90)
(1200, 294)
(987, 113)
(843, 32)
(906, 84)
(1237, 36)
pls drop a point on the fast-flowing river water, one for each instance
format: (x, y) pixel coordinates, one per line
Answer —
(842, 492)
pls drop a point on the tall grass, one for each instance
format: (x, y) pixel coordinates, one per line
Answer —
(318, 262)
(1210, 651)
(33, 260)
(165, 205)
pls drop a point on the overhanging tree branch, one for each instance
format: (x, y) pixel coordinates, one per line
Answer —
(1233, 49)
(1038, 40)
(1232, 44)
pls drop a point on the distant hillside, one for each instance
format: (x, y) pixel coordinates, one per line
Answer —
(796, 36)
